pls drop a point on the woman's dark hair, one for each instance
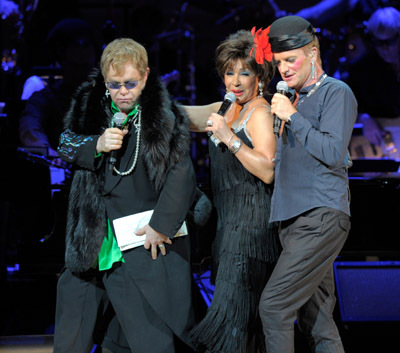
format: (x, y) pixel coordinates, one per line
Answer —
(238, 47)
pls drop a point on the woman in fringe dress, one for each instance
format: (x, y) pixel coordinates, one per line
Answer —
(242, 172)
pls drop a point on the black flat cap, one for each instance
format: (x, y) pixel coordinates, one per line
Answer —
(290, 32)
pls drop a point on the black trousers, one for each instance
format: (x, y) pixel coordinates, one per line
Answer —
(82, 305)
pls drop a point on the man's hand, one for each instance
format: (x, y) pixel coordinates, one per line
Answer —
(371, 129)
(110, 140)
(154, 239)
(282, 107)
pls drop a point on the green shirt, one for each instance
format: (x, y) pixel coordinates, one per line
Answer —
(110, 251)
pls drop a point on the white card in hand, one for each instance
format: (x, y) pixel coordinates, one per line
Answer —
(125, 228)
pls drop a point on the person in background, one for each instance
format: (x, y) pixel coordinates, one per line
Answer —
(333, 10)
(311, 191)
(148, 286)
(378, 92)
(72, 44)
(242, 174)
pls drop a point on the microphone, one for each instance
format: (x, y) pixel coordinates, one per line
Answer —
(228, 100)
(117, 121)
(282, 88)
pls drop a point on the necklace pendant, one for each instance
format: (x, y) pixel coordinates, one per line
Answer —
(137, 127)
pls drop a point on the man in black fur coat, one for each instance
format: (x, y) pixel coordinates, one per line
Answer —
(148, 286)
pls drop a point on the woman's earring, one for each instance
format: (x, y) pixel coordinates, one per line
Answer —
(313, 70)
(107, 94)
(260, 90)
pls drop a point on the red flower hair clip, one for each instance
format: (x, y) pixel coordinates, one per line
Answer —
(262, 45)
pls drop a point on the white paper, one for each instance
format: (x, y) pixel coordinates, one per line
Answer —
(125, 228)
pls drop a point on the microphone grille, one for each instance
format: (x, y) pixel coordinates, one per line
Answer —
(118, 118)
(230, 96)
(282, 86)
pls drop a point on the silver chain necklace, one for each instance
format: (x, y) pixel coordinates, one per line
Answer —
(323, 77)
(137, 119)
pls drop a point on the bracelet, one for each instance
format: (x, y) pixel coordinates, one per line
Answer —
(236, 146)
(230, 138)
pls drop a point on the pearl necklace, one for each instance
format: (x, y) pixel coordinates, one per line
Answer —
(137, 119)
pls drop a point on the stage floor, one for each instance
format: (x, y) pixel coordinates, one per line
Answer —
(27, 307)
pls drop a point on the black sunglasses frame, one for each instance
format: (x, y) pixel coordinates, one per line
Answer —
(117, 85)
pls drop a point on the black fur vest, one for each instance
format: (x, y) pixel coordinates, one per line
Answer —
(165, 140)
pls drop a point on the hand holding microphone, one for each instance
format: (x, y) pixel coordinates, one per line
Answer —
(117, 121)
(111, 139)
(229, 99)
(282, 88)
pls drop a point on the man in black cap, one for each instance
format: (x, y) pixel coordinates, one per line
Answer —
(311, 199)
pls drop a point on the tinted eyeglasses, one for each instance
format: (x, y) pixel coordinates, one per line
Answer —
(118, 85)
(385, 42)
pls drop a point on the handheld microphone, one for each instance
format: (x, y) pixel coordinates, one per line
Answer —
(228, 100)
(117, 121)
(282, 88)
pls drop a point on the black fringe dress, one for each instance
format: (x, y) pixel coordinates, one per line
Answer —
(245, 249)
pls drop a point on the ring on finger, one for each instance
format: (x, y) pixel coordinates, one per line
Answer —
(161, 246)
(209, 123)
